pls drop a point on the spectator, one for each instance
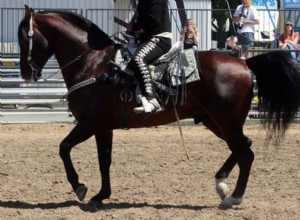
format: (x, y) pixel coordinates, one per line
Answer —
(245, 17)
(289, 39)
(190, 35)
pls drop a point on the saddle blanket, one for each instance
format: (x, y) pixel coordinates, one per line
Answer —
(184, 68)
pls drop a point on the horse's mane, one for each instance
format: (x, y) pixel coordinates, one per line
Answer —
(96, 37)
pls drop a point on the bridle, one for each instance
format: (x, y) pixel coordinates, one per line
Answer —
(35, 69)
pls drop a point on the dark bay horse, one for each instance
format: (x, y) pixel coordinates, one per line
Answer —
(220, 100)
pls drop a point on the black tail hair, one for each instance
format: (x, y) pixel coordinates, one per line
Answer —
(278, 79)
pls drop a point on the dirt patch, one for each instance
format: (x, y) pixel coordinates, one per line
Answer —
(151, 177)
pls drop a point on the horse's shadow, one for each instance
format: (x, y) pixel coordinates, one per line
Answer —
(126, 205)
(106, 206)
(44, 206)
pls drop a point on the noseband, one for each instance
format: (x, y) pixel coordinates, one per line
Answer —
(35, 69)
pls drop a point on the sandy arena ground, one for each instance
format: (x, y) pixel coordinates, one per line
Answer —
(151, 177)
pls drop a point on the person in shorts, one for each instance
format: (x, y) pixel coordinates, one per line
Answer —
(244, 18)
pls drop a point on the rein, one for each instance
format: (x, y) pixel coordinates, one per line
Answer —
(76, 59)
(68, 64)
(35, 69)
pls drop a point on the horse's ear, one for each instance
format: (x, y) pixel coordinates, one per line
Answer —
(28, 12)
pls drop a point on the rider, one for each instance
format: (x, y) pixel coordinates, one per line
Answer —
(152, 26)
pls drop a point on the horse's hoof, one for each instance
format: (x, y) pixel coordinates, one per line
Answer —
(93, 206)
(229, 202)
(81, 192)
(222, 188)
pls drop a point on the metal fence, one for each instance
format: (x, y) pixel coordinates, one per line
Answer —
(46, 97)
(43, 98)
(111, 20)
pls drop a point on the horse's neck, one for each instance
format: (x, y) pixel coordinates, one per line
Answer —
(77, 60)
(68, 43)
(88, 64)
(62, 36)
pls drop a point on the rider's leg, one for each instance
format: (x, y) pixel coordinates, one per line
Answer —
(145, 54)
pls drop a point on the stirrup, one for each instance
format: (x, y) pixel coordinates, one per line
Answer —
(148, 106)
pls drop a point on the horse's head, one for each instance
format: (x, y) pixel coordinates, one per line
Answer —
(34, 47)
(78, 45)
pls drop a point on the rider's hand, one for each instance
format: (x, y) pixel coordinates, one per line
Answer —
(129, 27)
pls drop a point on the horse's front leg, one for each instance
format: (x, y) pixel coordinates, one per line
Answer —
(104, 146)
(81, 132)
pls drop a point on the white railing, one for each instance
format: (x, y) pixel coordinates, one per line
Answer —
(40, 101)
(46, 97)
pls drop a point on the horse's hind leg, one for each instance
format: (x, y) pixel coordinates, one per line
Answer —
(81, 132)
(224, 172)
(242, 154)
(221, 176)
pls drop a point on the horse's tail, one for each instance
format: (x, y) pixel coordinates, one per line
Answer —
(278, 80)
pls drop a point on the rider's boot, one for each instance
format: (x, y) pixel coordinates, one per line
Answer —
(149, 102)
(149, 105)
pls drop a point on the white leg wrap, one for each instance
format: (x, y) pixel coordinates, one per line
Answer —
(230, 201)
(222, 188)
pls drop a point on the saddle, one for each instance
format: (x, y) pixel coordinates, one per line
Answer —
(170, 73)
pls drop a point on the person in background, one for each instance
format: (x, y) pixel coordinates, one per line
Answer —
(289, 39)
(190, 35)
(245, 17)
(152, 26)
